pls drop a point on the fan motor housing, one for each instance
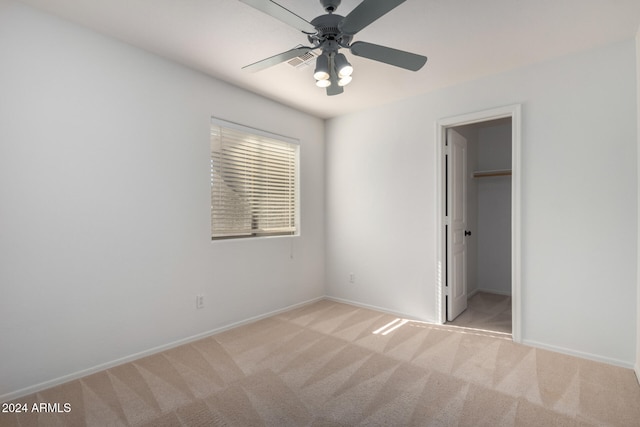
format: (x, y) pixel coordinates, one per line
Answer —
(328, 30)
(330, 6)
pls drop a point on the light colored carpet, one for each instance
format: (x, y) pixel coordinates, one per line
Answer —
(486, 311)
(331, 364)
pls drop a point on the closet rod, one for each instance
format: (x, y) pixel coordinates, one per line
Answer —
(485, 174)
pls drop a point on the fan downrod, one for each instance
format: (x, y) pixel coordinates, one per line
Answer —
(330, 6)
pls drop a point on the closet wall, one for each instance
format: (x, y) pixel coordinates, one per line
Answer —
(493, 236)
(488, 207)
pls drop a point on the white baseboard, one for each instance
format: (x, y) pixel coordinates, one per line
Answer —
(580, 354)
(638, 373)
(557, 349)
(382, 309)
(101, 367)
(79, 374)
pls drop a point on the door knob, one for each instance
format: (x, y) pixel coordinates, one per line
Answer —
(467, 233)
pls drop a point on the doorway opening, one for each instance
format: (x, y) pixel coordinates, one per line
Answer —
(478, 182)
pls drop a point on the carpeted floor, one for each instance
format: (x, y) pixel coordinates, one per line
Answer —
(491, 312)
(331, 364)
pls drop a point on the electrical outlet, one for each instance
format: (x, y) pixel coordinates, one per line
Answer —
(199, 301)
(352, 278)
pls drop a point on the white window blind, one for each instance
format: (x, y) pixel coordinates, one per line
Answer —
(253, 183)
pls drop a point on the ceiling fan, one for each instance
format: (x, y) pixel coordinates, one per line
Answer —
(332, 32)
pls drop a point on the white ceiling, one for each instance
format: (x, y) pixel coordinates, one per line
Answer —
(463, 39)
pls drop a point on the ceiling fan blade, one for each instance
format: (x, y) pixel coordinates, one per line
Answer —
(334, 88)
(285, 15)
(365, 13)
(276, 59)
(398, 58)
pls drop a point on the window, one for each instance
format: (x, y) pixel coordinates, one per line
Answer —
(254, 180)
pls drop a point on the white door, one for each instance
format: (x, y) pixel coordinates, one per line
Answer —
(457, 224)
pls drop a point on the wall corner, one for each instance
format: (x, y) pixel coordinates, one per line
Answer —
(637, 362)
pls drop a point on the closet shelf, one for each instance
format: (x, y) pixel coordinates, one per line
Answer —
(486, 174)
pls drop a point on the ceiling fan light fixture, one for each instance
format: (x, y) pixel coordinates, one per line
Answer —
(331, 32)
(322, 68)
(345, 80)
(343, 68)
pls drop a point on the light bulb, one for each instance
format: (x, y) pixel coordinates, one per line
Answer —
(322, 68)
(345, 71)
(321, 75)
(343, 68)
(345, 80)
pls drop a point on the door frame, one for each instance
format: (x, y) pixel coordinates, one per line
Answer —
(515, 113)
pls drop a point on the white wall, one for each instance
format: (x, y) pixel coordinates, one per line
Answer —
(494, 210)
(579, 192)
(104, 219)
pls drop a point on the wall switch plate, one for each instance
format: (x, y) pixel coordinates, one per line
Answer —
(352, 278)
(199, 301)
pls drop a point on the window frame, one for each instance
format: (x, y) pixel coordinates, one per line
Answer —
(259, 135)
